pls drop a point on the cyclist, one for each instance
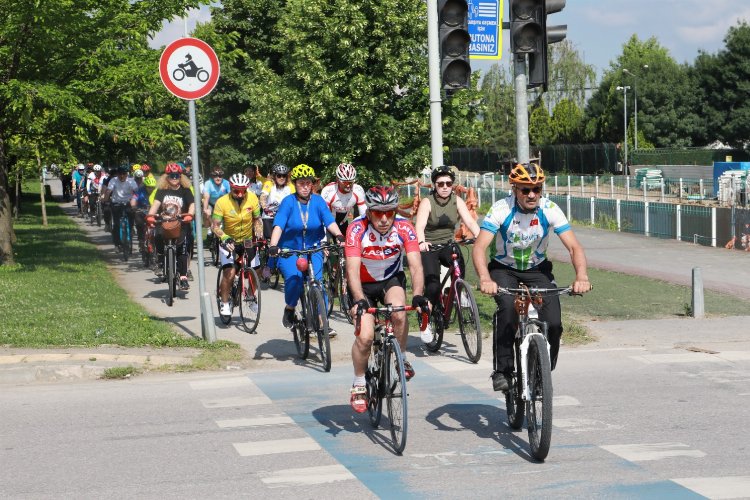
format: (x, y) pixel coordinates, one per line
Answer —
(121, 190)
(173, 196)
(213, 189)
(251, 171)
(523, 223)
(145, 186)
(274, 190)
(300, 223)
(343, 195)
(93, 188)
(78, 185)
(436, 221)
(375, 247)
(239, 213)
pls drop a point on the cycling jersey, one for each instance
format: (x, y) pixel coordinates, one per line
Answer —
(274, 196)
(238, 220)
(215, 192)
(382, 255)
(340, 203)
(522, 239)
(122, 192)
(142, 198)
(94, 184)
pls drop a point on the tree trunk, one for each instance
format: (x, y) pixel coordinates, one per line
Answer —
(44, 181)
(7, 236)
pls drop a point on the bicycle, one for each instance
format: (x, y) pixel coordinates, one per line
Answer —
(169, 263)
(314, 314)
(95, 207)
(212, 242)
(273, 279)
(456, 301)
(385, 377)
(531, 385)
(126, 233)
(335, 273)
(244, 292)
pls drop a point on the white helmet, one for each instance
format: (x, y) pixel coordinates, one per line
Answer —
(81, 166)
(138, 174)
(239, 180)
(97, 168)
(346, 172)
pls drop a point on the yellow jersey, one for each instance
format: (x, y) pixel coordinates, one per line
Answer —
(238, 220)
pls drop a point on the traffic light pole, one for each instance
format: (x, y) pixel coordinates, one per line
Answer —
(522, 112)
(433, 62)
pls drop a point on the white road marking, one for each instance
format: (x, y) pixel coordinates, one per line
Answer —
(450, 365)
(582, 425)
(306, 476)
(652, 451)
(219, 383)
(681, 357)
(271, 447)
(255, 421)
(235, 402)
(717, 487)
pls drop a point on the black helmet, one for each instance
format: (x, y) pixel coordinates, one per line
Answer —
(443, 170)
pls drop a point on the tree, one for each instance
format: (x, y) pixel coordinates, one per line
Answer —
(541, 131)
(569, 75)
(566, 122)
(499, 116)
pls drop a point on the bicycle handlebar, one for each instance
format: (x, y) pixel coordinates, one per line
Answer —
(440, 246)
(536, 291)
(388, 309)
(284, 252)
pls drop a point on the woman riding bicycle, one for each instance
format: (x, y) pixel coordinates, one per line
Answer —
(174, 198)
(523, 223)
(437, 217)
(300, 223)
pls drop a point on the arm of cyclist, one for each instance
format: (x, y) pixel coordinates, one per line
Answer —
(354, 283)
(423, 213)
(466, 217)
(414, 259)
(273, 245)
(581, 283)
(479, 256)
(206, 208)
(334, 229)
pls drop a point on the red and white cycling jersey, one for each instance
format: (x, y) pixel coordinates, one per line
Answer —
(382, 255)
(341, 203)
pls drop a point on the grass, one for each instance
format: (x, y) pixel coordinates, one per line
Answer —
(119, 372)
(61, 293)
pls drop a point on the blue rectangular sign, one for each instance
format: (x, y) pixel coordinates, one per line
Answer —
(485, 29)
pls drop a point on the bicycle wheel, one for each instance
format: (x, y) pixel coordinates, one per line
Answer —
(172, 289)
(301, 333)
(319, 317)
(225, 319)
(275, 276)
(514, 406)
(395, 395)
(98, 213)
(125, 243)
(437, 326)
(329, 271)
(375, 384)
(468, 321)
(250, 300)
(539, 405)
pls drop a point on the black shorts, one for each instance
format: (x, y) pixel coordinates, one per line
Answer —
(375, 292)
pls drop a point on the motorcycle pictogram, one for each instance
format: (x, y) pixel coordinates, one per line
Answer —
(189, 69)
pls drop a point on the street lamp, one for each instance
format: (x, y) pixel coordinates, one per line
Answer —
(635, 100)
(625, 116)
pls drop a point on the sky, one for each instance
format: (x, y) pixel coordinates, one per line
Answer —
(600, 28)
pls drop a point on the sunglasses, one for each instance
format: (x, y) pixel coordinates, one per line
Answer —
(239, 192)
(175, 176)
(525, 190)
(216, 176)
(380, 213)
(281, 176)
(444, 184)
(346, 183)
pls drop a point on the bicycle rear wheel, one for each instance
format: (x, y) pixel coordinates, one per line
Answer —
(468, 321)
(301, 333)
(171, 278)
(125, 242)
(225, 319)
(319, 317)
(395, 394)
(539, 405)
(438, 328)
(250, 300)
(375, 383)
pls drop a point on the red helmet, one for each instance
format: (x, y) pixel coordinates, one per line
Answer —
(381, 198)
(146, 169)
(172, 168)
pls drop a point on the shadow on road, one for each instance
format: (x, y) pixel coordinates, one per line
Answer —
(340, 418)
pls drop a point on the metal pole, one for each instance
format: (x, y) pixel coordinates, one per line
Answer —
(522, 113)
(207, 317)
(433, 60)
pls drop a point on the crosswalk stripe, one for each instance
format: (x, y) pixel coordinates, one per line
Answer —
(218, 383)
(271, 447)
(306, 476)
(235, 402)
(255, 421)
(717, 487)
(652, 451)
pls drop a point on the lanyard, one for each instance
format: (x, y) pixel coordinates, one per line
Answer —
(304, 216)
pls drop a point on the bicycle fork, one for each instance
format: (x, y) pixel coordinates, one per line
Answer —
(533, 319)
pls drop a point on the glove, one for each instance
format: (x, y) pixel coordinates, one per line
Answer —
(151, 220)
(340, 238)
(273, 251)
(187, 218)
(362, 306)
(421, 302)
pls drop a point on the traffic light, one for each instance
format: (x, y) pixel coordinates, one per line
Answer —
(529, 34)
(453, 20)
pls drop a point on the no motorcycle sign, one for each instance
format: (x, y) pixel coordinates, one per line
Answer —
(189, 68)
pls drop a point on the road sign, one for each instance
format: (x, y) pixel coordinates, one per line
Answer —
(189, 68)
(485, 23)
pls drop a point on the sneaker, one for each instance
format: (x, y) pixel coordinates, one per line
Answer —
(190, 275)
(225, 309)
(408, 371)
(426, 334)
(331, 333)
(501, 381)
(465, 301)
(358, 398)
(184, 284)
(266, 273)
(288, 319)
(252, 304)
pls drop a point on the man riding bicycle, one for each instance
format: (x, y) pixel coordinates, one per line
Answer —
(121, 191)
(375, 247)
(239, 212)
(523, 223)
(343, 195)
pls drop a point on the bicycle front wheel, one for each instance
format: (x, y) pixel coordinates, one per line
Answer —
(301, 333)
(319, 316)
(438, 327)
(539, 405)
(171, 278)
(375, 383)
(468, 321)
(395, 394)
(250, 300)
(225, 319)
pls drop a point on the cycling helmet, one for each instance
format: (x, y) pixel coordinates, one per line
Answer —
(97, 168)
(182, 167)
(145, 168)
(122, 169)
(81, 166)
(526, 173)
(381, 198)
(280, 169)
(346, 172)
(443, 170)
(135, 167)
(239, 181)
(302, 171)
(149, 182)
(138, 174)
(172, 168)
